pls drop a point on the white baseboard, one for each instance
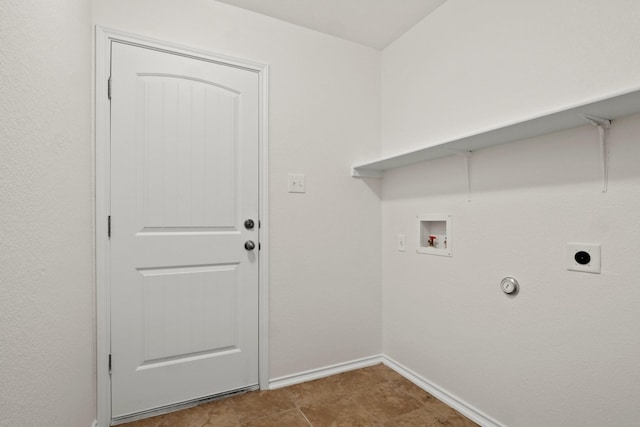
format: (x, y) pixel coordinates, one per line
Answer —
(441, 394)
(315, 374)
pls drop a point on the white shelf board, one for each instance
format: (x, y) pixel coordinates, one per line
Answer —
(611, 107)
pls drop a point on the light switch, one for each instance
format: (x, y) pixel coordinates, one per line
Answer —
(297, 183)
(402, 247)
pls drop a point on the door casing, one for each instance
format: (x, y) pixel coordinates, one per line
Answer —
(104, 38)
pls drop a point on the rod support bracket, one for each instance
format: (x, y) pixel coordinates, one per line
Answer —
(603, 126)
(466, 154)
(598, 121)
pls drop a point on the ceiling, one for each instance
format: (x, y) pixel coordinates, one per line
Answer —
(373, 23)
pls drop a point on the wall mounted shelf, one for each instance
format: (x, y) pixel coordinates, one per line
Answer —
(609, 108)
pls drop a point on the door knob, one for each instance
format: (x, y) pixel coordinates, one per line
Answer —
(249, 224)
(249, 245)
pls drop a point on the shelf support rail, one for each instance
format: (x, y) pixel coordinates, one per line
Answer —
(603, 126)
(466, 155)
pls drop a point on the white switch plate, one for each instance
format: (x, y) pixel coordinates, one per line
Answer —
(593, 251)
(402, 247)
(297, 183)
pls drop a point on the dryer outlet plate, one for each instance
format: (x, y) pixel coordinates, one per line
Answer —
(583, 257)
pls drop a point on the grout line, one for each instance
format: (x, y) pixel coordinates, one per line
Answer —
(402, 415)
(305, 417)
(263, 417)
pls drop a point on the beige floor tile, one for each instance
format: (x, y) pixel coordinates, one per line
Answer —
(221, 414)
(419, 418)
(457, 420)
(440, 410)
(425, 418)
(339, 412)
(290, 418)
(388, 373)
(258, 404)
(386, 401)
(462, 421)
(198, 416)
(147, 422)
(315, 391)
(192, 417)
(360, 379)
(448, 416)
(415, 391)
(366, 397)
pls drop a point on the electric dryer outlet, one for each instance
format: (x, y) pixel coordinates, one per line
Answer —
(583, 257)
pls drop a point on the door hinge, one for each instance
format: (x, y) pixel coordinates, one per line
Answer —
(109, 363)
(109, 226)
(109, 88)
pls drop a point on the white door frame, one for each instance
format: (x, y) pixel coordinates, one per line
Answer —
(104, 37)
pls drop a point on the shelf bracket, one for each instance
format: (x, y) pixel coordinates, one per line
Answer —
(467, 156)
(365, 173)
(603, 126)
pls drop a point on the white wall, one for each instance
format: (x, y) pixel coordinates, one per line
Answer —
(325, 244)
(46, 253)
(564, 351)
(471, 65)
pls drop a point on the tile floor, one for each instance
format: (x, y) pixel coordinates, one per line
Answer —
(373, 397)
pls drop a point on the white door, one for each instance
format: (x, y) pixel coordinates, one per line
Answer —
(184, 179)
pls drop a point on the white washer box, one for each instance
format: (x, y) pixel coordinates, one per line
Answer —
(434, 234)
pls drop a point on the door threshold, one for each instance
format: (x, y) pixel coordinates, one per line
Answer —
(180, 406)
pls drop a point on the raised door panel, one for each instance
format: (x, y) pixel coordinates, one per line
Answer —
(188, 131)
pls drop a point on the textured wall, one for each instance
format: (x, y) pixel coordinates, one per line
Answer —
(324, 113)
(564, 351)
(473, 65)
(46, 281)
